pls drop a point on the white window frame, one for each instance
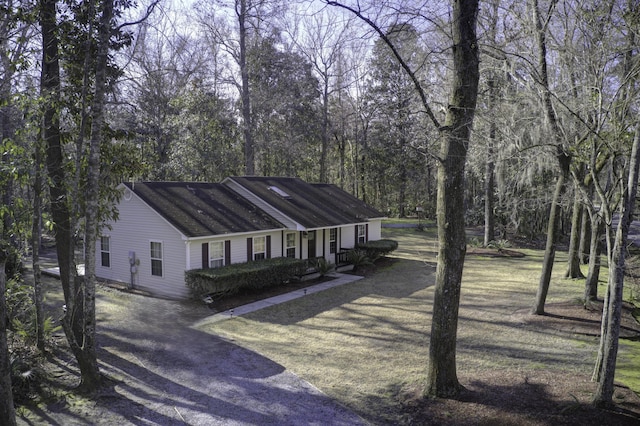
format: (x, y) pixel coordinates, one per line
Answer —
(333, 240)
(105, 251)
(290, 249)
(156, 260)
(216, 254)
(259, 254)
(362, 234)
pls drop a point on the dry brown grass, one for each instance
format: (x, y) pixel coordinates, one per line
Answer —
(366, 344)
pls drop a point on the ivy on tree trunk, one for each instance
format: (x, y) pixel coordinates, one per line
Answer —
(7, 411)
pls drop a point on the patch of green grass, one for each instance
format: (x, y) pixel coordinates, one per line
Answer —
(627, 371)
(409, 221)
(355, 340)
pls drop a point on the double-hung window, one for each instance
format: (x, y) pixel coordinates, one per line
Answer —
(216, 254)
(362, 234)
(156, 258)
(259, 248)
(333, 240)
(105, 251)
(291, 245)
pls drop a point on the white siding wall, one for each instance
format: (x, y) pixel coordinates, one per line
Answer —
(137, 227)
(375, 230)
(347, 236)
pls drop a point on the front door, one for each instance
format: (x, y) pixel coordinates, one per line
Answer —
(311, 244)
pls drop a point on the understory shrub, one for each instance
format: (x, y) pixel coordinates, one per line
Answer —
(499, 244)
(21, 313)
(27, 378)
(322, 266)
(241, 276)
(359, 258)
(377, 249)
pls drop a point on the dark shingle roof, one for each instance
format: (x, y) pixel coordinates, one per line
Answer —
(311, 205)
(202, 209)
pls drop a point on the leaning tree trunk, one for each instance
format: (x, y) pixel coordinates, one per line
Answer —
(550, 248)
(442, 380)
(7, 411)
(611, 317)
(564, 162)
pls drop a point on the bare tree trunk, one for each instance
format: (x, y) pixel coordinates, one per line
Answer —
(606, 364)
(36, 239)
(442, 380)
(489, 171)
(402, 190)
(7, 411)
(595, 255)
(573, 266)
(249, 153)
(91, 378)
(325, 131)
(585, 241)
(550, 248)
(50, 91)
(74, 294)
(489, 187)
(564, 162)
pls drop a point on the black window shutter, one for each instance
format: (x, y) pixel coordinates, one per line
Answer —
(268, 246)
(366, 232)
(205, 255)
(249, 249)
(227, 252)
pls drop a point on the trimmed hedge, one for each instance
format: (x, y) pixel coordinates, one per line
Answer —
(239, 276)
(377, 249)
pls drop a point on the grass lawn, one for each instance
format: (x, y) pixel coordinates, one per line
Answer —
(366, 344)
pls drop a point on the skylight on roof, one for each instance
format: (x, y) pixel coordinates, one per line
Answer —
(279, 191)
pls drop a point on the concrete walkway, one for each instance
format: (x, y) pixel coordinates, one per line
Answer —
(339, 279)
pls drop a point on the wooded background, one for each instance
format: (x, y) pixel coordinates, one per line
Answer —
(94, 93)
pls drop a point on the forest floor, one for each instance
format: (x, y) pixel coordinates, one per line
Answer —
(363, 345)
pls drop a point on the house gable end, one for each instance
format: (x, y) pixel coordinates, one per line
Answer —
(204, 209)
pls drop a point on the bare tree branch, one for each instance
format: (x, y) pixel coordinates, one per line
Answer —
(405, 66)
(148, 13)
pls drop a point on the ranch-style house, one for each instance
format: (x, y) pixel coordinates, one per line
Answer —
(167, 228)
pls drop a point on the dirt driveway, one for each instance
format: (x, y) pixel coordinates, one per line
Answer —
(163, 371)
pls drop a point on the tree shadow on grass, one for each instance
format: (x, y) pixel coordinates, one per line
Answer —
(159, 370)
(388, 283)
(516, 400)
